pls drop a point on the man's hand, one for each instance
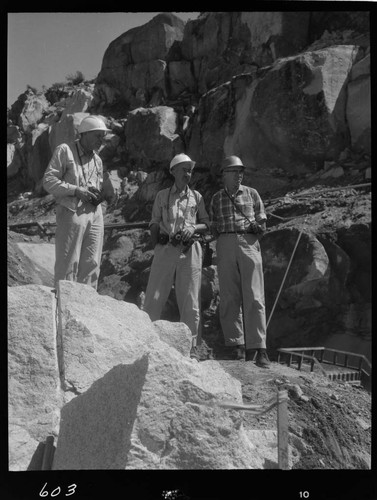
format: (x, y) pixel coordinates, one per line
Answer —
(84, 194)
(256, 228)
(187, 232)
(154, 229)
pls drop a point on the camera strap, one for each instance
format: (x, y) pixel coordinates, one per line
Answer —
(89, 172)
(237, 208)
(186, 208)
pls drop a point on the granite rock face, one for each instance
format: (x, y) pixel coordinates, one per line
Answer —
(33, 374)
(96, 374)
(285, 91)
(291, 116)
(160, 125)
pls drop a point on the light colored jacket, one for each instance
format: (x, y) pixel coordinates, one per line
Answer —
(66, 172)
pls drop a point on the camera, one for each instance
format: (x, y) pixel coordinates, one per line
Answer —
(98, 196)
(255, 228)
(177, 239)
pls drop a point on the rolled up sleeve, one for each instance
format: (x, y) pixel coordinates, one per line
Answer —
(260, 214)
(156, 210)
(202, 215)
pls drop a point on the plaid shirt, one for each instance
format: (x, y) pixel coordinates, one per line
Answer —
(225, 217)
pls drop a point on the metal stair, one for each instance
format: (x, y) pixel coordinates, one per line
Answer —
(332, 363)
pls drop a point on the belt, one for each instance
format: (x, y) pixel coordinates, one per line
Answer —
(235, 232)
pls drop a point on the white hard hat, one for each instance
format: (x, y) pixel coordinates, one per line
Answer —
(231, 161)
(181, 158)
(92, 123)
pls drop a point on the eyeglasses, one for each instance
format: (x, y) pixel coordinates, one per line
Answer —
(235, 171)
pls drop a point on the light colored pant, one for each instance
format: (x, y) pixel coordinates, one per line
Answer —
(78, 244)
(184, 270)
(242, 307)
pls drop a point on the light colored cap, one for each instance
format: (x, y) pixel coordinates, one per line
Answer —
(181, 158)
(92, 123)
(231, 161)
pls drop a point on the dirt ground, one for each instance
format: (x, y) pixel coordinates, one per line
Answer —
(330, 428)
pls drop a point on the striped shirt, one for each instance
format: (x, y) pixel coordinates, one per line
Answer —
(173, 210)
(225, 217)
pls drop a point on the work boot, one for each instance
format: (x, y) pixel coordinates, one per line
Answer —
(262, 359)
(250, 354)
(239, 352)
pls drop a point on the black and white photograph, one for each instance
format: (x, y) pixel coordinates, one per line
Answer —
(189, 254)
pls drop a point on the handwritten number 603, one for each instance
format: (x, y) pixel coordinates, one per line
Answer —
(71, 490)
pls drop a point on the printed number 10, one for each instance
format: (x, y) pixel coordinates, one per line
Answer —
(304, 494)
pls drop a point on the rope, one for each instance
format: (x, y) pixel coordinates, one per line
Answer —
(253, 409)
(286, 272)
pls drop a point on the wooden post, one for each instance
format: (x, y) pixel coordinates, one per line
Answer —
(48, 453)
(360, 364)
(282, 398)
(300, 361)
(289, 359)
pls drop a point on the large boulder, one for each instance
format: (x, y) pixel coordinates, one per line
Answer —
(34, 396)
(181, 78)
(74, 109)
(14, 160)
(135, 61)
(65, 130)
(79, 101)
(209, 128)
(127, 399)
(223, 44)
(151, 186)
(359, 106)
(13, 134)
(42, 259)
(338, 21)
(308, 277)
(159, 125)
(123, 380)
(144, 78)
(34, 109)
(290, 116)
(40, 153)
(177, 335)
(326, 296)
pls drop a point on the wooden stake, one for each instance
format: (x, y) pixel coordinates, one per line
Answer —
(48, 454)
(282, 424)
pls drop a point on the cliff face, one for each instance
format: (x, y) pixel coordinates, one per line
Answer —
(286, 91)
(164, 59)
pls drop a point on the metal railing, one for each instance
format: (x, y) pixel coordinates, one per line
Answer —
(327, 356)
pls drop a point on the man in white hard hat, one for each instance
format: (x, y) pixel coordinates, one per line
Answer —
(178, 213)
(238, 220)
(74, 176)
